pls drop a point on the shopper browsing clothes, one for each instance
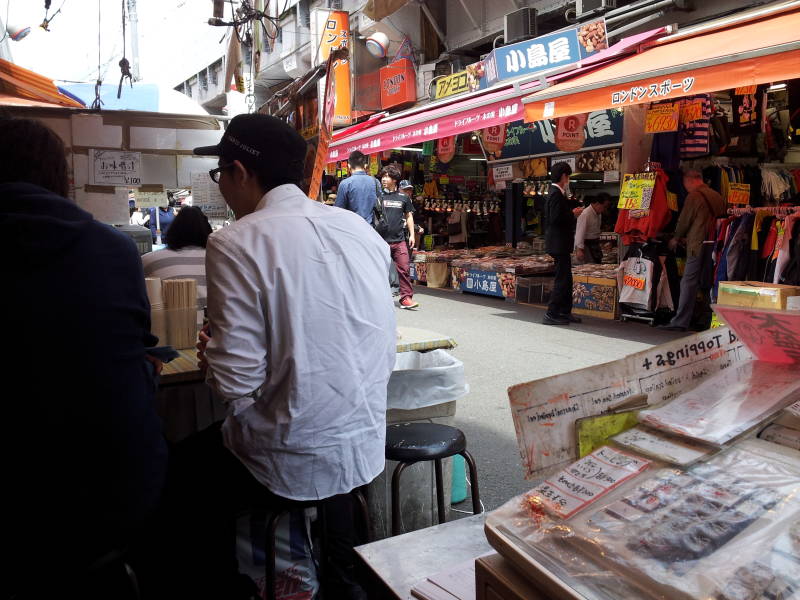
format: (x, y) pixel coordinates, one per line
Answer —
(559, 242)
(399, 212)
(695, 225)
(302, 344)
(84, 459)
(587, 231)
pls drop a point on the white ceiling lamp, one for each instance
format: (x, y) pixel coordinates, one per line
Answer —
(777, 86)
(409, 149)
(378, 44)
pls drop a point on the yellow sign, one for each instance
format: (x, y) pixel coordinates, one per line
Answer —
(661, 118)
(748, 90)
(451, 85)
(691, 111)
(637, 191)
(739, 193)
(374, 164)
(594, 432)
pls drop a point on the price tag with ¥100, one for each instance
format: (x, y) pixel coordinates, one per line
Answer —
(634, 282)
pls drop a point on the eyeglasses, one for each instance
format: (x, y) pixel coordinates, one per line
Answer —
(215, 173)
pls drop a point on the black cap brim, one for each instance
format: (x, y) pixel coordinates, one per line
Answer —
(207, 150)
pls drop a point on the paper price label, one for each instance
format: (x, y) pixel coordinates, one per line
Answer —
(661, 118)
(634, 282)
(739, 193)
(691, 111)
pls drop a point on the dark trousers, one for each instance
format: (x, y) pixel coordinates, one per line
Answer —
(401, 260)
(190, 551)
(561, 296)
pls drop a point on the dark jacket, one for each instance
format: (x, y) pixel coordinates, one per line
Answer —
(559, 236)
(84, 458)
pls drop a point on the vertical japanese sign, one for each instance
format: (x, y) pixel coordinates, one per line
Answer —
(331, 31)
(326, 128)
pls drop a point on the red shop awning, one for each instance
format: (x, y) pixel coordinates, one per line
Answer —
(442, 119)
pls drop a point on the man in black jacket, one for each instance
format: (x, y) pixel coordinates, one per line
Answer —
(84, 459)
(559, 241)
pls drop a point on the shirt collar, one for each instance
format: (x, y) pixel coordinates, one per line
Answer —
(275, 194)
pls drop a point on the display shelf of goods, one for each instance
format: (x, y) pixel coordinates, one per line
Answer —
(534, 290)
(594, 291)
(418, 272)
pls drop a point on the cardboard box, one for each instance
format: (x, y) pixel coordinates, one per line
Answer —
(595, 297)
(755, 294)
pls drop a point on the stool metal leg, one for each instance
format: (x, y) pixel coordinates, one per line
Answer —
(363, 508)
(398, 470)
(269, 553)
(437, 464)
(473, 476)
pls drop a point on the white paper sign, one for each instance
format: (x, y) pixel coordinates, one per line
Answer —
(112, 167)
(207, 197)
(610, 176)
(586, 480)
(150, 199)
(545, 410)
(656, 445)
(570, 160)
(503, 172)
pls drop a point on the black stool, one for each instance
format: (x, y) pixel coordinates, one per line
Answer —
(276, 512)
(409, 443)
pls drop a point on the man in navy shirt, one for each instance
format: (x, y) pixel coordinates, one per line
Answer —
(360, 191)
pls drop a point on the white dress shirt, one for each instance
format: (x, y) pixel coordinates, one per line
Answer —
(588, 226)
(303, 343)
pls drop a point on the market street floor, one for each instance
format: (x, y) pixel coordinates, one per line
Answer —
(502, 344)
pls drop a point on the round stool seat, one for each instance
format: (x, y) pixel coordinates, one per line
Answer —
(410, 442)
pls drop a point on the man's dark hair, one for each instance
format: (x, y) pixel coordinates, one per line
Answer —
(601, 198)
(267, 176)
(189, 228)
(33, 153)
(392, 171)
(558, 170)
(357, 160)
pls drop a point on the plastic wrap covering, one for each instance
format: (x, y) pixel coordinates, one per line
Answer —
(726, 529)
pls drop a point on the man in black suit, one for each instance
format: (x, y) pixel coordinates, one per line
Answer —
(559, 241)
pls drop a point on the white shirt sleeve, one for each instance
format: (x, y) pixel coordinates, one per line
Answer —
(580, 228)
(237, 352)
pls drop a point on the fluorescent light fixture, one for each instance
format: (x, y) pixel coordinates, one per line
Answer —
(409, 149)
(483, 159)
(777, 86)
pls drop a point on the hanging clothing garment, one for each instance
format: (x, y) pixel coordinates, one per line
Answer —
(637, 226)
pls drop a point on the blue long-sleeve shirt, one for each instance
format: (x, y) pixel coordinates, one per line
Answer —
(165, 218)
(358, 193)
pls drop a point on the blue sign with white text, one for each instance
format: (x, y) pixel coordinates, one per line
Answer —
(544, 53)
(482, 282)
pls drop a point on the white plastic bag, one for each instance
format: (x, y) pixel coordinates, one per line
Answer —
(423, 379)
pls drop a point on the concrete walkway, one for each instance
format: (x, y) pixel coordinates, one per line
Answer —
(502, 344)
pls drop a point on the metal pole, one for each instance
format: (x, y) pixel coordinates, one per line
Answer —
(134, 22)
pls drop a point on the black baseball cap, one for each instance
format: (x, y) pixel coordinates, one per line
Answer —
(262, 143)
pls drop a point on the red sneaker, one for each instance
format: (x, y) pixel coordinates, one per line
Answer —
(408, 303)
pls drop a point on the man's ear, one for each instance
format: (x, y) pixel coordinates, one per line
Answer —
(241, 175)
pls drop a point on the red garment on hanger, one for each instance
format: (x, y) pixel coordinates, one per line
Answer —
(638, 226)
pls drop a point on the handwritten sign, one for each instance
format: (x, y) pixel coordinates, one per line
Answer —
(586, 480)
(544, 411)
(637, 283)
(771, 335)
(747, 90)
(661, 447)
(503, 172)
(207, 197)
(637, 191)
(150, 199)
(112, 167)
(691, 111)
(739, 193)
(661, 118)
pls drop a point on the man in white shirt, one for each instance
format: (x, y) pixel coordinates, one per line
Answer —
(587, 230)
(302, 344)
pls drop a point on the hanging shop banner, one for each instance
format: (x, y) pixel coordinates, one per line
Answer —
(470, 79)
(398, 84)
(570, 133)
(446, 148)
(550, 52)
(374, 165)
(661, 118)
(112, 167)
(603, 128)
(493, 138)
(739, 193)
(326, 128)
(331, 30)
(637, 191)
(503, 172)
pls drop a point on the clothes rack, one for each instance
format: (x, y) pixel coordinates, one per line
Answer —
(772, 210)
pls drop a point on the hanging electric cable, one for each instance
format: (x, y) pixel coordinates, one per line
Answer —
(99, 84)
(48, 19)
(124, 65)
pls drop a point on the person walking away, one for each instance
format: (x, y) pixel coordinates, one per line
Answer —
(302, 343)
(359, 192)
(695, 225)
(84, 458)
(587, 230)
(399, 212)
(185, 254)
(559, 242)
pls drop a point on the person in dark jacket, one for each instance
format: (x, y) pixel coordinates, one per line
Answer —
(559, 241)
(84, 459)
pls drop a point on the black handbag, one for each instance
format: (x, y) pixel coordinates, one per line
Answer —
(379, 222)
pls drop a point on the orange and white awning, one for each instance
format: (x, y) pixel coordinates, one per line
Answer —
(18, 85)
(751, 53)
